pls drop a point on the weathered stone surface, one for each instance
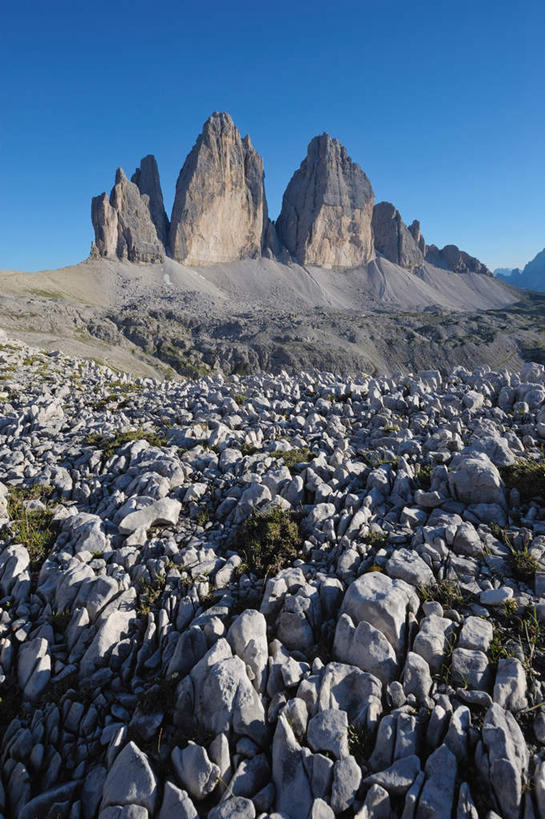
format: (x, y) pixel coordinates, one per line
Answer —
(383, 603)
(123, 225)
(220, 210)
(327, 209)
(452, 258)
(288, 770)
(437, 795)
(130, 780)
(162, 512)
(366, 647)
(393, 239)
(506, 760)
(146, 177)
(475, 479)
(414, 228)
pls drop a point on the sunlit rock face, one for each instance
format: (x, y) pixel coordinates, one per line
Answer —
(220, 210)
(327, 209)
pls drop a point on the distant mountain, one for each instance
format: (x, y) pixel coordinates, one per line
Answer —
(532, 277)
(505, 272)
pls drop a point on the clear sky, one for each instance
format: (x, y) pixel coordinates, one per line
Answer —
(441, 103)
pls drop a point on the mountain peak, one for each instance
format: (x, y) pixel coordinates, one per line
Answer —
(327, 209)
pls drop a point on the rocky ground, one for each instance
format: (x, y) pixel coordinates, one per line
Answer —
(260, 315)
(282, 596)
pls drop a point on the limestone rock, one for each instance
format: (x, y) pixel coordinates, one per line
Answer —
(104, 219)
(393, 239)
(414, 229)
(327, 209)
(452, 258)
(123, 224)
(146, 177)
(220, 210)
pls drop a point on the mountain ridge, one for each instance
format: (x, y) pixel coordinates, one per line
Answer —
(220, 212)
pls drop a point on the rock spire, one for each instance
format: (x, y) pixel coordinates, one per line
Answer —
(327, 209)
(220, 210)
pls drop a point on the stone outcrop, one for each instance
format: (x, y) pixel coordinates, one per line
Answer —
(123, 224)
(393, 239)
(414, 228)
(220, 210)
(147, 179)
(327, 209)
(452, 258)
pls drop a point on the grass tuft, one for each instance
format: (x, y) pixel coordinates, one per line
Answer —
(267, 541)
(294, 456)
(527, 476)
(33, 528)
(109, 446)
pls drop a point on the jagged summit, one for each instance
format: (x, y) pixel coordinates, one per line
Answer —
(146, 177)
(220, 212)
(394, 240)
(124, 226)
(327, 209)
(452, 258)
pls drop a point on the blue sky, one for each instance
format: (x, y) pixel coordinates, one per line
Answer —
(441, 103)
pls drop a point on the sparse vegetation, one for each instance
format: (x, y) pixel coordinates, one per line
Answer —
(109, 446)
(519, 634)
(149, 594)
(446, 592)
(423, 477)
(34, 528)
(527, 476)
(360, 744)
(294, 456)
(523, 563)
(267, 541)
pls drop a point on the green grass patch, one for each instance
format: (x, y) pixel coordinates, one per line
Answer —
(47, 294)
(522, 562)
(33, 528)
(423, 477)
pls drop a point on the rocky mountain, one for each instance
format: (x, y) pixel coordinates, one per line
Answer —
(306, 596)
(220, 210)
(327, 209)
(394, 240)
(124, 225)
(531, 277)
(146, 177)
(452, 258)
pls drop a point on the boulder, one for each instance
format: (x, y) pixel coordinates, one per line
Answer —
(475, 479)
(384, 603)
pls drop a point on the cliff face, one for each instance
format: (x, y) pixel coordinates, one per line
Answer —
(327, 209)
(220, 210)
(452, 258)
(123, 224)
(393, 239)
(146, 177)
